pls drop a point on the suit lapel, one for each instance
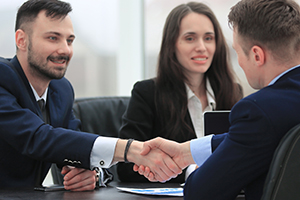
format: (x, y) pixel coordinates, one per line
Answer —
(54, 106)
(29, 94)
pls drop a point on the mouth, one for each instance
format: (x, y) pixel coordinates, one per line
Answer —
(59, 59)
(200, 59)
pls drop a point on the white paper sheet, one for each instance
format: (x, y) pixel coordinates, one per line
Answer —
(155, 191)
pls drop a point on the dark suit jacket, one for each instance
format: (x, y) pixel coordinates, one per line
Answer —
(241, 157)
(140, 122)
(26, 142)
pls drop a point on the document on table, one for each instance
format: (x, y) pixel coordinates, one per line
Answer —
(155, 191)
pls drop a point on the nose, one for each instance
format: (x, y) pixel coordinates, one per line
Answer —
(200, 46)
(65, 48)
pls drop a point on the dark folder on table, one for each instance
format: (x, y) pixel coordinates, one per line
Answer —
(216, 122)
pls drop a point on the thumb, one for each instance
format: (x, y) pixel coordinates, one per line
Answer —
(151, 144)
(146, 149)
(65, 170)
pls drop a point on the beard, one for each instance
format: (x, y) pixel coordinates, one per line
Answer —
(36, 64)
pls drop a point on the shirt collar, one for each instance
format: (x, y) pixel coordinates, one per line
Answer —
(283, 73)
(209, 93)
(37, 97)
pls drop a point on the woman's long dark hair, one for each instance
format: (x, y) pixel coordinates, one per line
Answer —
(171, 96)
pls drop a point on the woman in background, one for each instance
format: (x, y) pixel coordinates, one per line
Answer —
(194, 75)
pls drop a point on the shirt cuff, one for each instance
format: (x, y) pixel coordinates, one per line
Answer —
(103, 152)
(201, 149)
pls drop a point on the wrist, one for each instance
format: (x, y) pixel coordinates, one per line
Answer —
(134, 150)
(186, 154)
(119, 150)
(127, 149)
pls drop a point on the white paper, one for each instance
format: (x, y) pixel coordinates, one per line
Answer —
(155, 191)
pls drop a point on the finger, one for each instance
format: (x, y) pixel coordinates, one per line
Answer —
(171, 169)
(160, 177)
(65, 169)
(147, 171)
(83, 185)
(73, 173)
(151, 177)
(135, 168)
(161, 168)
(83, 181)
(141, 169)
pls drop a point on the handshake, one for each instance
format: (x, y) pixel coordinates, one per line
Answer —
(159, 159)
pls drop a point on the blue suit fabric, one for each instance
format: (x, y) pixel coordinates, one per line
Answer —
(26, 142)
(241, 157)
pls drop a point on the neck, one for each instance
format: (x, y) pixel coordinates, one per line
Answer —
(197, 85)
(37, 81)
(199, 89)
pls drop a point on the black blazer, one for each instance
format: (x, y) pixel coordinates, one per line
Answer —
(140, 122)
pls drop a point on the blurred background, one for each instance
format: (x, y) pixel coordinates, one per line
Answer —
(117, 41)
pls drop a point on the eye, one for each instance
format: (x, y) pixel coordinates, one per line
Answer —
(52, 38)
(189, 38)
(209, 38)
(70, 41)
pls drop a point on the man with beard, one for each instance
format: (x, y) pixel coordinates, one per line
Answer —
(30, 140)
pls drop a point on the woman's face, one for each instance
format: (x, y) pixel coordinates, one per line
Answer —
(196, 45)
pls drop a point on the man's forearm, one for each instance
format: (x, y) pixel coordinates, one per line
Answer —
(119, 150)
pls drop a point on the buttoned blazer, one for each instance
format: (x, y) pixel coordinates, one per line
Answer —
(241, 157)
(141, 122)
(26, 142)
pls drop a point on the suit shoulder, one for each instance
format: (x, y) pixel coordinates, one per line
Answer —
(145, 85)
(6, 70)
(9, 77)
(144, 90)
(63, 82)
(62, 85)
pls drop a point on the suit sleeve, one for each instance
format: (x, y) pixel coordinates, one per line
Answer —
(239, 158)
(23, 131)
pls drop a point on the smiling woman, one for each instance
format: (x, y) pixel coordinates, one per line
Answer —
(193, 75)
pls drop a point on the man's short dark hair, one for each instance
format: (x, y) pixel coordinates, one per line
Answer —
(30, 9)
(271, 24)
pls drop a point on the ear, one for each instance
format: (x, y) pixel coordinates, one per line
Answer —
(21, 39)
(259, 55)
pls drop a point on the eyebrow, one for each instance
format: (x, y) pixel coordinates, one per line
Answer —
(193, 33)
(58, 34)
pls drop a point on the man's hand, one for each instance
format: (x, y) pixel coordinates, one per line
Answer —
(180, 153)
(160, 164)
(78, 179)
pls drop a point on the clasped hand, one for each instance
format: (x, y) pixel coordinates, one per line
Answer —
(78, 179)
(172, 156)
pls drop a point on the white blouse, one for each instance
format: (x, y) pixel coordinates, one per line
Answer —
(195, 108)
(196, 113)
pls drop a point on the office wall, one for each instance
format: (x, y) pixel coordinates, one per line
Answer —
(117, 41)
